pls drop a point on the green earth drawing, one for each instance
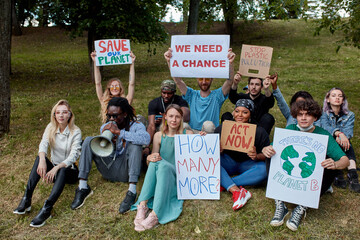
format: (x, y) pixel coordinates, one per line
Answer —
(292, 160)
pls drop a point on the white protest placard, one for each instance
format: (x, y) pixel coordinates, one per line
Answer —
(295, 174)
(200, 56)
(255, 60)
(112, 52)
(197, 160)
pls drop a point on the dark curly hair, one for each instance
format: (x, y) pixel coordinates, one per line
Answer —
(309, 105)
(251, 78)
(126, 108)
(302, 94)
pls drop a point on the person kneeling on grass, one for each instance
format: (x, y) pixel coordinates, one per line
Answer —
(64, 139)
(124, 163)
(159, 191)
(249, 168)
(306, 113)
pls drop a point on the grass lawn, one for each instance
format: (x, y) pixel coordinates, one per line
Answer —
(48, 66)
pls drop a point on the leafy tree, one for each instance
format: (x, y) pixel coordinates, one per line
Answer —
(137, 20)
(332, 20)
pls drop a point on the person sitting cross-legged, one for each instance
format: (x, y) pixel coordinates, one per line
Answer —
(124, 163)
(249, 168)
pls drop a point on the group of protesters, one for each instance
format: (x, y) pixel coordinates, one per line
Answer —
(150, 141)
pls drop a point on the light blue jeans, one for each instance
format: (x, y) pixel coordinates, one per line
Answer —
(248, 172)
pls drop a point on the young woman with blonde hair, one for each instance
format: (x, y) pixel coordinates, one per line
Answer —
(114, 87)
(64, 139)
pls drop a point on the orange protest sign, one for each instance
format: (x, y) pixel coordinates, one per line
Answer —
(237, 136)
(255, 61)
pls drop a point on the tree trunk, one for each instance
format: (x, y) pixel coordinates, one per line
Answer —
(230, 9)
(90, 43)
(193, 17)
(5, 46)
(15, 23)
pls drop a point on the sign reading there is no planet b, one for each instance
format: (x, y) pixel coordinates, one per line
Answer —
(295, 174)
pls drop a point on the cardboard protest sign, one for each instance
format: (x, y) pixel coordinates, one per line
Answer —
(295, 171)
(112, 52)
(237, 136)
(200, 56)
(255, 61)
(197, 160)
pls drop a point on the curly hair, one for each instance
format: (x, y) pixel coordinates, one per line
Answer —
(309, 105)
(300, 94)
(126, 108)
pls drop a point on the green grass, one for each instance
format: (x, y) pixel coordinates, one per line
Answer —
(48, 66)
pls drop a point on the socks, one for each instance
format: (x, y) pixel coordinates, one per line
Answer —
(132, 188)
(83, 184)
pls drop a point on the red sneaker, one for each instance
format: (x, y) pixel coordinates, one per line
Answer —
(240, 198)
(222, 189)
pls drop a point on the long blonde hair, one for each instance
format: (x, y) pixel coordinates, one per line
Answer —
(54, 125)
(107, 96)
(164, 125)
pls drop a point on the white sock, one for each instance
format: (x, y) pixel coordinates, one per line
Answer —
(132, 188)
(83, 184)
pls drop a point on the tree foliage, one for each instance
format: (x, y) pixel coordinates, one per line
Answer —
(332, 20)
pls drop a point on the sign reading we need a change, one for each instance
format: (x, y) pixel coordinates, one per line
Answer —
(200, 56)
(237, 136)
(197, 160)
(112, 52)
(295, 174)
(255, 61)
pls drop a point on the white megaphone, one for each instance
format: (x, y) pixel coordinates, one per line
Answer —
(102, 145)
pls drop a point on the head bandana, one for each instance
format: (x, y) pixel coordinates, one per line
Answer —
(247, 103)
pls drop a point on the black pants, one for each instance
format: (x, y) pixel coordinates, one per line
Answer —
(64, 175)
(328, 178)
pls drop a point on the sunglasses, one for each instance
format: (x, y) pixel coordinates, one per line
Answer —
(115, 87)
(114, 116)
(206, 79)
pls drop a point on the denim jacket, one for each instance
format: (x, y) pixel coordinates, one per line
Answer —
(344, 124)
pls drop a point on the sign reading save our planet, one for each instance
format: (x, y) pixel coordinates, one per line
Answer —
(112, 52)
(295, 174)
(197, 160)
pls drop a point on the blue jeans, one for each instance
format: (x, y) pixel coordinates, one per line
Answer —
(249, 172)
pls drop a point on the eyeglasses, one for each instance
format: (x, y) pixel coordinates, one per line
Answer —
(114, 116)
(62, 112)
(117, 87)
(206, 79)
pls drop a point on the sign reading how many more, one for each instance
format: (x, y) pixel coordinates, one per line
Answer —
(200, 56)
(295, 174)
(112, 52)
(237, 136)
(197, 160)
(255, 61)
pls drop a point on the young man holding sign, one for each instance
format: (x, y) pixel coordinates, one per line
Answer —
(249, 167)
(306, 113)
(204, 104)
(263, 102)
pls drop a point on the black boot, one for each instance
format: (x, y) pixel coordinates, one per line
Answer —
(24, 205)
(354, 180)
(43, 215)
(339, 180)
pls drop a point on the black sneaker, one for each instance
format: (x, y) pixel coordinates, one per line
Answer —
(340, 181)
(354, 181)
(127, 202)
(296, 216)
(80, 196)
(280, 213)
(40, 219)
(24, 206)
